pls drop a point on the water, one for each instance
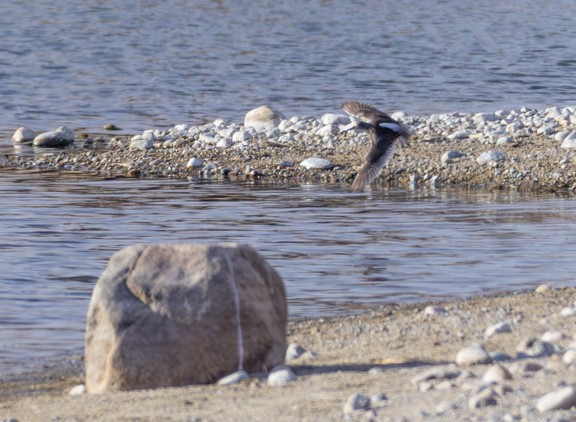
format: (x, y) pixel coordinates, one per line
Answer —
(151, 64)
(337, 251)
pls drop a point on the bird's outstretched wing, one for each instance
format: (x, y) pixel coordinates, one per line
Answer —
(366, 112)
(376, 159)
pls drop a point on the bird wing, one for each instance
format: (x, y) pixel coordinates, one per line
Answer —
(376, 158)
(366, 112)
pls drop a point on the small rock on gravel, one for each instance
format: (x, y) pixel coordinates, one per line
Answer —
(532, 347)
(490, 156)
(23, 135)
(233, 378)
(434, 310)
(281, 376)
(316, 163)
(485, 397)
(569, 358)
(500, 327)
(294, 351)
(497, 374)
(357, 402)
(564, 398)
(472, 355)
(552, 336)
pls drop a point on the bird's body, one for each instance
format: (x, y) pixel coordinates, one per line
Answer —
(385, 133)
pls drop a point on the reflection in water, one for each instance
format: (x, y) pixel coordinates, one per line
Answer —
(337, 251)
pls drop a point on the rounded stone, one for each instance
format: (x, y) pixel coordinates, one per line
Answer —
(564, 398)
(500, 327)
(552, 336)
(473, 355)
(61, 137)
(194, 163)
(281, 376)
(294, 351)
(233, 378)
(316, 163)
(569, 358)
(77, 390)
(357, 402)
(489, 156)
(497, 374)
(263, 118)
(23, 135)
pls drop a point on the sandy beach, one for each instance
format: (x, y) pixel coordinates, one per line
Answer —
(378, 354)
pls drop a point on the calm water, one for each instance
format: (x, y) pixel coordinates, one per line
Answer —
(336, 251)
(147, 64)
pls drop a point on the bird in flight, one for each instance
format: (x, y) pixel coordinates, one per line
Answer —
(386, 134)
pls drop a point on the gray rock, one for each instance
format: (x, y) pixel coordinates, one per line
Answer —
(263, 118)
(485, 397)
(194, 163)
(569, 358)
(560, 136)
(233, 378)
(23, 135)
(316, 163)
(568, 311)
(564, 398)
(334, 119)
(434, 310)
(437, 374)
(504, 140)
(170, 315)
(552, 336)
(357, 402)
(490, 156)
(472, 355)
(77, 390)
(460, 134)
(241, 136)
(450, 156)
(281, 376)
(294, 351)
(61, 137)
(497, 374)
(569, 141)
(532, 347)
(500, 327)
(327, 130)
(224, 143)
(139, 143)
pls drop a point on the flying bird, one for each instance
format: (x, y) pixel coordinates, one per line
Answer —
(386, 134)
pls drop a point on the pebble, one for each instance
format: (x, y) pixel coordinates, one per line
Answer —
(497, 374)
(437, 374)
(499, 327)
(294, 351)
(434, 310)
(542, 288)
(78, 390)
(61, 137)
(569, 141)
(316, 163)
(263, 118)
(569, 357)
(449, 156)
(472, 355)
(140, 143)
(233, 378)
(485, 397)
(194, 163)
(532, 347)
(357, 402)
(23, 135)
(552, 336)
(568, 311)
(280, 376)
(490, 156)
(564, 398)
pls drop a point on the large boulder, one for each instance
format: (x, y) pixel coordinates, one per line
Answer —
(170, 315)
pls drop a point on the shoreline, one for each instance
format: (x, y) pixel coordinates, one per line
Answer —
(521, 149)
(380, 354)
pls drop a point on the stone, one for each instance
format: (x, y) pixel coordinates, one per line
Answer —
(327, 130)
(294, 351)
(233, 378)
(450, 156)
(564, 398)
(224, 143)
(485, 397)
(281, 376)
(194, 163)
(316, 163)
(497, 374)
(568, 311)
(500, 327)
(263, 118)
(334, 119)
(552, 336)
(241, 136)
(171, 315)
(61, 137)
(77, 390)
(140, 143)
(357, 402)
(560, 136)
(504, 140)
(472, 355)
(490, 156)
(23, 135)
(434, 310)
(542, 288)
(569, 141)
(460, 134)
(437, 374)
(569, 357)
(532, 347)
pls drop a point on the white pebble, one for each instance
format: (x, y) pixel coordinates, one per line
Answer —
(233, 378)
(280, 376)
(194, 163)
(500, 327)
(294, 351)
(449, 156)
(542, 288)
(552, 336)
(77, 390)
(569, 141)
(489, 156)
(497, 374)
(472, 355)
(569, 357)
(23, 135)
(564, 398)
(434, 310)
(316, 163)
(568, 311)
